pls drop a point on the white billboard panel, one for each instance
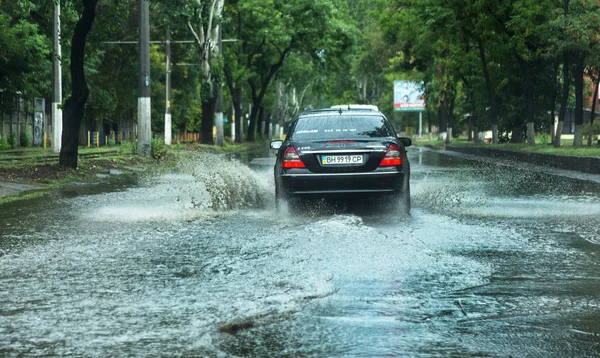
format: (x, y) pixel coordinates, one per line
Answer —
(408, 96)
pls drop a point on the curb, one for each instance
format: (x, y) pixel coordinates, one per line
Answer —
(568, 162)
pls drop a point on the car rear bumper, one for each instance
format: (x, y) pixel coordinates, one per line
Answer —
(346, 185)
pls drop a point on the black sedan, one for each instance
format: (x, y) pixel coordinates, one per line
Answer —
(342, 154)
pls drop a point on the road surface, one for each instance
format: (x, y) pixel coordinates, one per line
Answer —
(494, 261)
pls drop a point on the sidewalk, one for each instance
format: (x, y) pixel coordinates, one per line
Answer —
(566, 162)
(10, 189)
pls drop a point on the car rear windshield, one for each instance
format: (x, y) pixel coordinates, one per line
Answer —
(342, 127)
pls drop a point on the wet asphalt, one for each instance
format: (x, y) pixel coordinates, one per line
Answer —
(495, 260)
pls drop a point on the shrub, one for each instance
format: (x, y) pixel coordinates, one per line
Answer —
(4, 145)
(12, 140)
(25, 138)
(127, 148)
(595, 129)
(159, 149)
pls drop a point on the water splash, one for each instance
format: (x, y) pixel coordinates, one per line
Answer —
(198, 186)
(484, 189)
(229, 183)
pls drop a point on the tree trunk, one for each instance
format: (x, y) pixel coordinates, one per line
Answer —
(495, 136)
(553, 101)
(236, 95)
(530, 93)
(559, 129)
(262, 118)
(208, 113)
(74, 108)
(579, 74)
(269, 125)
(442, 117)
(429, 125)
(451, 119)
(235, 87)
(251, 133)
(470, 129)
(517, 132)
(491, 94)
(564, 101)
(593, 113)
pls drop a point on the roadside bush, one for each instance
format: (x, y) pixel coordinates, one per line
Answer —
(127, 148)
(25, 138)
(595, 128)
(159, 149)
(12, 140)
(4, 145)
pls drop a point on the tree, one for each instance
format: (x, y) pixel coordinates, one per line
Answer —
(235, 70)
(203, 23)
(582, 28)
(75, 105)
(24, 49)
(271, 31)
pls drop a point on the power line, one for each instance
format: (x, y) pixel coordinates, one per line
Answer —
(161, 42)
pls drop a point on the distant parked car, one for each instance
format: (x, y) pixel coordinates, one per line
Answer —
(342, 154)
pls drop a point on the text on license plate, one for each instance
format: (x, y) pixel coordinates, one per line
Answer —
(341, 159)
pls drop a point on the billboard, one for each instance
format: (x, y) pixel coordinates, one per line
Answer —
(408, 96)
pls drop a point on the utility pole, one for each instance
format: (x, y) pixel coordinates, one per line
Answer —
(56, 83)
(144, 147)
(168, 132)
(219, 102)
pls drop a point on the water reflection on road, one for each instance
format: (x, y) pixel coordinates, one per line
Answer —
(494, 261)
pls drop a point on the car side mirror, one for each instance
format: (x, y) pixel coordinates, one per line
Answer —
(276, 144)
(407, 142)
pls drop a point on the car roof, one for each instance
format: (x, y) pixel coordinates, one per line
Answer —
(368, 107)
(339, 111)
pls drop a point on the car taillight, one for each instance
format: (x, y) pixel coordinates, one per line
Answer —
(392, 157)
(291, 159)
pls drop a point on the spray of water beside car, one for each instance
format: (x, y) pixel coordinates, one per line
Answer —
(342, 153)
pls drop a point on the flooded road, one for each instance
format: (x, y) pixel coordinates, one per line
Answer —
(495, 261)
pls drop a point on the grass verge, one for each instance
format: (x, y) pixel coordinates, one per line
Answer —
(40, 168)
(566, 148)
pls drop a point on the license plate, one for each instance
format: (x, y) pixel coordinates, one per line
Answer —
(341, 159)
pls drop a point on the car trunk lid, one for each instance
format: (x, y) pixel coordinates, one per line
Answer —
(342, 156)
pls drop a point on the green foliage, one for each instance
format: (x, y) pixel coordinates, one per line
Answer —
(4, 145)
(544, 139)
(593, 130)
(127, 148)
(12, 140)
(24, 48)
(522, 42)
(312, 52)
(25, 138)
(159, 149)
